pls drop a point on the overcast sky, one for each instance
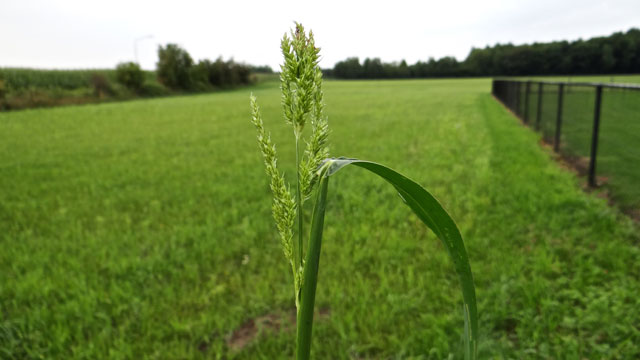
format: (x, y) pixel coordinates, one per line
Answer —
(99, 34)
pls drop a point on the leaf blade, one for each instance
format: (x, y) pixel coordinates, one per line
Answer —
(432, 214)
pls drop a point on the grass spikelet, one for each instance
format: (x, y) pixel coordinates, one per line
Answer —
(284, 206)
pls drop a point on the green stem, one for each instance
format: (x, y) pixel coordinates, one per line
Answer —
(299, 201)
(305, 313)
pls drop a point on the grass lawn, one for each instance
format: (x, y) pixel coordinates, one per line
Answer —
(143, 230)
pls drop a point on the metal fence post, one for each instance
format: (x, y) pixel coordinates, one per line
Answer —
(516, 108)
(594, 137)
(510, 96)
(556, 143)
(539, 111)
(526, 102)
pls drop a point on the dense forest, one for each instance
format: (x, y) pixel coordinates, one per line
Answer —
(618, 53)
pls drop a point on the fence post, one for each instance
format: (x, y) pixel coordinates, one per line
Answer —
(556, 143)
(539, 111)
(514, 93)
(526, 102)
(594, 137)
(516, 107)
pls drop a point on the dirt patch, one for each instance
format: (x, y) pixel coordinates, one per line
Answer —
(274, 322)
(269, 323)
(578, 163)
(253, 327)
(635, 214)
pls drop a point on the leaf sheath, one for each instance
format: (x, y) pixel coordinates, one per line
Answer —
(310, 277)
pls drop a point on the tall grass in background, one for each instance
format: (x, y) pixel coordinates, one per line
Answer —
(22, 88)
(23, 78)
(302, 102)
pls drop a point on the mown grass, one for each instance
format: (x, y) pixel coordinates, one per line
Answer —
(143, 230)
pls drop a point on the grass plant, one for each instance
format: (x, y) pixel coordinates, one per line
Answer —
(303, 101)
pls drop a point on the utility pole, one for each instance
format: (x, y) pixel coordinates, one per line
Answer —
(135, 45)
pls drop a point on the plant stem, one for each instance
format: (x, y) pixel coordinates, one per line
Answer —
(305, 313)
(299, 201)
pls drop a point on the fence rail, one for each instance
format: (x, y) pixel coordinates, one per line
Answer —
(595, 121)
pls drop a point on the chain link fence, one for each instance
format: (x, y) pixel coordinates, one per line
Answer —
(596, 127)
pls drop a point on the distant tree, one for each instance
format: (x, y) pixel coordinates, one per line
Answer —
(372, 68)
(403, 70)
(447, 66)
(220, 74)
(348, 69)
(634, 38)
(617, 53)
(173, 67)
(585, 57)
(264, 69)
(239, 73)
(130, 75)
(199, 74)
(3, 91)
(101, 86)
(608, 60)
(480, 61)
(420, 69)
(626, 50)
(389, 70)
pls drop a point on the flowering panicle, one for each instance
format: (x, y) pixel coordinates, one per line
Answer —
(284, 207)
(298, 77)
(317, 149)
(302, 101)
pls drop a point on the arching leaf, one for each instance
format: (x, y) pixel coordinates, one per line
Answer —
(432, 214)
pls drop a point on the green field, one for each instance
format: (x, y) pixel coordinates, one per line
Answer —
(142, 230)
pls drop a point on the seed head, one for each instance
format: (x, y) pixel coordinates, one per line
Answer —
(284, 207)
(297, 76)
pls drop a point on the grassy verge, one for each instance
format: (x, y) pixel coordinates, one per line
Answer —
(618, 156)
(143, 230)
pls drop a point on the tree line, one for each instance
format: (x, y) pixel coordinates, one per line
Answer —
(618, 53)
(177, 70)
